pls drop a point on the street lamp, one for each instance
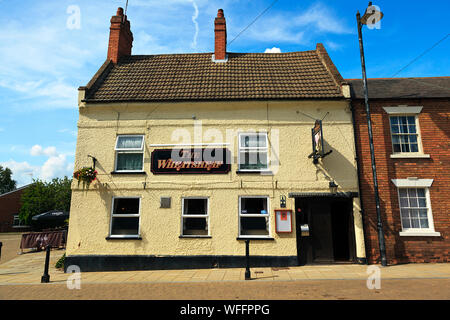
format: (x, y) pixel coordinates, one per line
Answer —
(371, 16)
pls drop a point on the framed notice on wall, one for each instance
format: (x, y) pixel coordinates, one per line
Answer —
(283, 220)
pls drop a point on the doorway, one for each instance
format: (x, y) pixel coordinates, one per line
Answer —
(325, 232)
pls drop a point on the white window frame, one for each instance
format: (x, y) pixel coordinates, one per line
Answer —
(19, 224)
(129, 215)
(264, 149)
(414, 183)
(406, 111)
(129, 150)
(195, 216)
(254, 215)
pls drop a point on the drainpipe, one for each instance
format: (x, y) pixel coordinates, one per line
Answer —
(355, 137)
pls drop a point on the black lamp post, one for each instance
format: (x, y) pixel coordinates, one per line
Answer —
(374, 16)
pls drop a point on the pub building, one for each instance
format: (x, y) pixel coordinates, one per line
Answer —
(197, 153)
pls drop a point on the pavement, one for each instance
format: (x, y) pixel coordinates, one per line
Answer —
(20, 278)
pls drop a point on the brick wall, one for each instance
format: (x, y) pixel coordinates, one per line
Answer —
(9, 206)
(434, 124)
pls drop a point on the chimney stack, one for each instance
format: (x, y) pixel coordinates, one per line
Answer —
(220, 42)
(120, 37)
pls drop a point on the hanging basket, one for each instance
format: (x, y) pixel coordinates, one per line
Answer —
(85, 175)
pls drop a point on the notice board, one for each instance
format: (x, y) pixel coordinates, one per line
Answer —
(283, 220)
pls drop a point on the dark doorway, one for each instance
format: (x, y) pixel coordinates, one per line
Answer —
(330, 236)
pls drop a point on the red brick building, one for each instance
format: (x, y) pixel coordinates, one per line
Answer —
(411, 133)
(9, 211)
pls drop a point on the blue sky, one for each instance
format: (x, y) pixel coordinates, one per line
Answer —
(47, 53)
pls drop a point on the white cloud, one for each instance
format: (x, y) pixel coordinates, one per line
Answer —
(22, 172)
(273, 50)
(194, 20)
(55, 166)
(322, 19)
(37, 150)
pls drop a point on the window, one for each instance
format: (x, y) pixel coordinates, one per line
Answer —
(254, 216)
(129, 153)
(253, 152)
(194, 217)
(16, 221)
(125, 217)
(404, 134)
(415, 207)
(405, 131)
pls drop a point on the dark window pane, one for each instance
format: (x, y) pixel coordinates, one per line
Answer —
(411, 120)
(395, 128)
(424, 223)
(129, 161)
(125, 226)
(253, 205)
(394, 120)
(195, 223)
(195, 206)
(395, 139)
(397, 148)
(414, 147)
(126, 206)
(403, 120)
(253, 160)
(412, 128)
(412, 192)
(421, 193)
(406, 223)
(254, 226)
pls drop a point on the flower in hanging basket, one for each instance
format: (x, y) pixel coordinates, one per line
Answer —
(86, 174)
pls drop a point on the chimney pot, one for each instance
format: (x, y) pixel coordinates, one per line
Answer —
(119, 11)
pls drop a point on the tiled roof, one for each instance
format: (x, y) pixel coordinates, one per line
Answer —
(402, 88)
(174, 77)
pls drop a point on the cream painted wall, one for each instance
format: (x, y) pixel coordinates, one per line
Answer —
(289, 129)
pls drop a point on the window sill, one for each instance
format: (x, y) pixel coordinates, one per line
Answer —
(410, 156)
(420, 234)
(123, 238)
(129, 172)
(255, 238)
(193, 236)
(261, 172)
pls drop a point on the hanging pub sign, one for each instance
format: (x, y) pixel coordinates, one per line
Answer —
(317, 142)
(191, 160)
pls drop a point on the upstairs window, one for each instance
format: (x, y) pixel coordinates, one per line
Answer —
(253, 152)
(404, 134)
(129, 153)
